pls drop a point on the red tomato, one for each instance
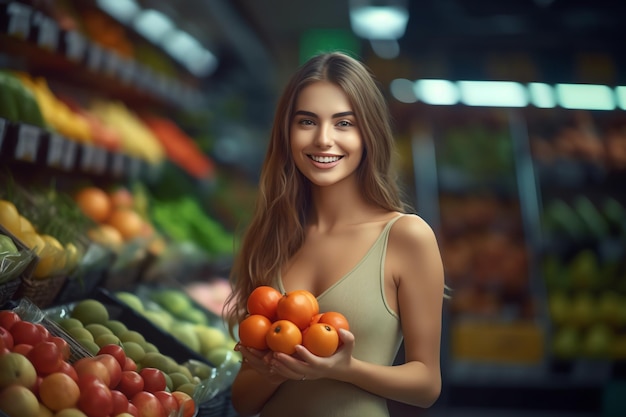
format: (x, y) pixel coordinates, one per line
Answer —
(129, 365)
(298, 307)
(321, 339)
(264, 300)
(8, 318)
(45, 333)
(132, 410)
(6, 339)
(90, 366)
(116, 351)
(63, 346)
(283, 336)
(131, 383)
(253, 330)
(185, 402)
(45, 357)
(26, 332)
(113, 368)
(68, 369)
(120, 402)
(148, 405)
(168, 401)
(153, 379)
(22, 348)
(95, 399)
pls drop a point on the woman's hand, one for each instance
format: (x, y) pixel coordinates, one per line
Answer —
(305, 365)
(260, 360)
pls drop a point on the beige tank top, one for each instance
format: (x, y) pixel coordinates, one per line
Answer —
(359, 295)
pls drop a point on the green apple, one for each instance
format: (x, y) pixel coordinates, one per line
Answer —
(16, 369)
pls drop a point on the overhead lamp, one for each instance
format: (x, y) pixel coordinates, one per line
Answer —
(493, 93)
(436, 92)
(121, 10)
(187, 50)
(542, 95)
(378, 21)
(153, 25)
(402, 90)
(585, 96)
(620, 93)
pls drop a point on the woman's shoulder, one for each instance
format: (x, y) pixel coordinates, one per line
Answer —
(410, 230)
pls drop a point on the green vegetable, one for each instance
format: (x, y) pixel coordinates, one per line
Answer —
(7, 245)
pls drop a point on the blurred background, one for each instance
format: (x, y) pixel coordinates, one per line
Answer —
(510, 125)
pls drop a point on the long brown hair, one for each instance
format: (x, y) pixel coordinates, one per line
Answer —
(276, 229)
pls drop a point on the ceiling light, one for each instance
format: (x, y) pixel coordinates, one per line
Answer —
(122, 10)
(379, 22)
(620, 93)
(402, 90)
(437, 92)
(153, 25)
(493, 93)
(542, 95)
(585, 96)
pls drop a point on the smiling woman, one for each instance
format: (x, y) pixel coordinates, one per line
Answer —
(329, 220)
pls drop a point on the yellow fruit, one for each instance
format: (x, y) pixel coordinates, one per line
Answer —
(33, 241)
(18, 401)
(9, 216)
(26, 225)
(106, 235)
(16, 369)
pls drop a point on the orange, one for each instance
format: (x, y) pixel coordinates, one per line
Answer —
(321, 339)
(252, 331)
(299, 307)
(94, 203)
(128, 222)
(283, 336)
(58, 391)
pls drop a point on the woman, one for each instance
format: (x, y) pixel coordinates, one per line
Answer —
(329, 220)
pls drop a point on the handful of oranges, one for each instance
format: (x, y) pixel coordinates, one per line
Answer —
(279, 322)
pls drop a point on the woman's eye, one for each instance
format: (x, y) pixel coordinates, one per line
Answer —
(345, 123)
(306, 122)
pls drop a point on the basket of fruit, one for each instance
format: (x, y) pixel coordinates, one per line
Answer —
(16, 262)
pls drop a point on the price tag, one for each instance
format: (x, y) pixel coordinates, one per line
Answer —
(95, 55)
(56, 149)
(118, 162)
(75, 46)
(99, 160)
(69, 156)
(19, 20)
(87, 158)
(28, 141)
(47, 31)
(3, 128)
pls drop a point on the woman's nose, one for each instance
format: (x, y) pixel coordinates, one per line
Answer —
(324, 139)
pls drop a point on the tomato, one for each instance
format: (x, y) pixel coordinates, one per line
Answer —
(90, 366)
(130, 383)
(45, 333)
(63, 345)
(129, 365)
(68, 369)
(116, 351)
(26, 332)
(264, 300)
(335, 319)
(168, 401)
(22, 348)
(186, 403)
(252, 331)
(132, 410)
(153, 379)
(148, 404)
(113, 367)
(58, 391)
(299, 307)
(321, 339)
(6, 339)
(45, 357)
(95, 399)
(120, 402)
(283, 336)
(8, 318)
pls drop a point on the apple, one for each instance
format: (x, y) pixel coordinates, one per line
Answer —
(16, 369)
(17, 400)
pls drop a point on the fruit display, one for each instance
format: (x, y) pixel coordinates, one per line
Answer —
(280, 322)
(40, 376)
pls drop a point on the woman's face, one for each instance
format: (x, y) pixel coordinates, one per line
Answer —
(326, 143)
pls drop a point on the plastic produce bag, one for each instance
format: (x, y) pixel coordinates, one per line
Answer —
(12, 260)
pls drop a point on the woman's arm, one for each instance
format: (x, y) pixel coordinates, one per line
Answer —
(415, 261)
